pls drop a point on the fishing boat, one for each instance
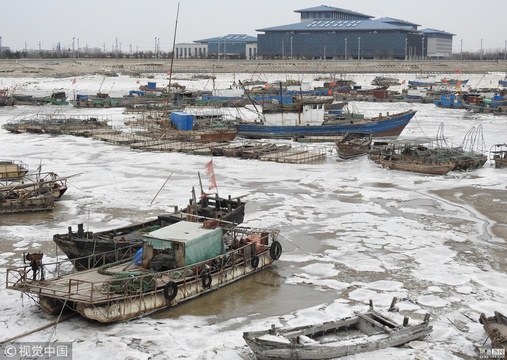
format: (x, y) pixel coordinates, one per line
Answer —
(366, 331)
(266, 149)
(32, 195)
(352, 145)
(449, 101)
(426, 156)
(384, 81)
(12, 170)
(389, 125)
(177, 263)
(6, 99)
(79, 244)
(454, 82)
(498, 155)
(415, 166)
(496, 328)
(17, 202)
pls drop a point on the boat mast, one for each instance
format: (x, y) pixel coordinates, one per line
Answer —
(172, 55)
(166, 113)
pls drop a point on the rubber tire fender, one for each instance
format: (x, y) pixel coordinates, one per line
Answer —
(170, 291)
(275, 250)
(206, 280)
(255, 261)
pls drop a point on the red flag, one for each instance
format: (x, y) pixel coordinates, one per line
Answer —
(267, 86)
(333, 83)
(73, 81)
(168, 72)
(210, 172)
(458, 70)
(330, 91)
(403, 82)
(458, 84)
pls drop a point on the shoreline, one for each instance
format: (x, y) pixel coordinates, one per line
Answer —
(60, 68)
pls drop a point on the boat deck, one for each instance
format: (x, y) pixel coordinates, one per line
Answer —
(83, 286)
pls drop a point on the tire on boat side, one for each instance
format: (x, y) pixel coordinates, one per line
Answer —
(170, 291)
(275, 250)
(206, 280)
(255, 261)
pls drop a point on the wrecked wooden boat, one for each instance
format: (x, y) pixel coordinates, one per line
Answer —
(117, 243)
(177, 263)
(496, 328)
(353, 144)
(364, 332)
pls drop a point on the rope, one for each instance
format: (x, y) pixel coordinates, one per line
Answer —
(309, 253)
(41, 328)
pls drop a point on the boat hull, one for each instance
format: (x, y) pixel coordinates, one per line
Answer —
(130, 308)
(387, 127)
(345, 337)
(31, 204)
(118, 243)
(123, 290)
(428, 169)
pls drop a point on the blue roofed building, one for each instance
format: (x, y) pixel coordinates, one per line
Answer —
(326, 32)
(232, 46)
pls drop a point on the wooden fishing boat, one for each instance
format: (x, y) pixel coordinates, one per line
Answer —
(363, 332)
(12, 170)
(265, 149)
(496, 328)
(28, 195)
(352, 145)
(236, 150)
(177, 263)
(498, 155)
(13, 203)
(410, 165)
(384, 81)
(119, 241)
(427, 156)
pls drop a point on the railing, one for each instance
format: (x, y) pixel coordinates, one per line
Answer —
(242, 258)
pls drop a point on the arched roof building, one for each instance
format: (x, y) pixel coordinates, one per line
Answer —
(334, 33)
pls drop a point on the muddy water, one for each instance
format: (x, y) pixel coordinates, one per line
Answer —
(267, 293)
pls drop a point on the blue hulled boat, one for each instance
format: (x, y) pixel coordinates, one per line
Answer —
(381, 126)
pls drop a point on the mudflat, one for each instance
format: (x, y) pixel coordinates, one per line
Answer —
(81, 66)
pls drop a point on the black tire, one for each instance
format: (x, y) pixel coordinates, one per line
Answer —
(170, 291)
(206, 280)
(275, 250)
(255, 262)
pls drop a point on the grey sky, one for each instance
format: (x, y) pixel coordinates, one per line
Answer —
(136, 24)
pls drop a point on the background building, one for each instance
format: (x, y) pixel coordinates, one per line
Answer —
(331, 33)
(191, 51)
(232, 46)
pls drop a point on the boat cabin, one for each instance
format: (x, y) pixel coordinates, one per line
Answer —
(182, 244)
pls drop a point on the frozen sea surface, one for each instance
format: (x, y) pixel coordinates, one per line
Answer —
(351, 231)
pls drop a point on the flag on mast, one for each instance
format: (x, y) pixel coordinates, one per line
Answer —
(211, 173)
